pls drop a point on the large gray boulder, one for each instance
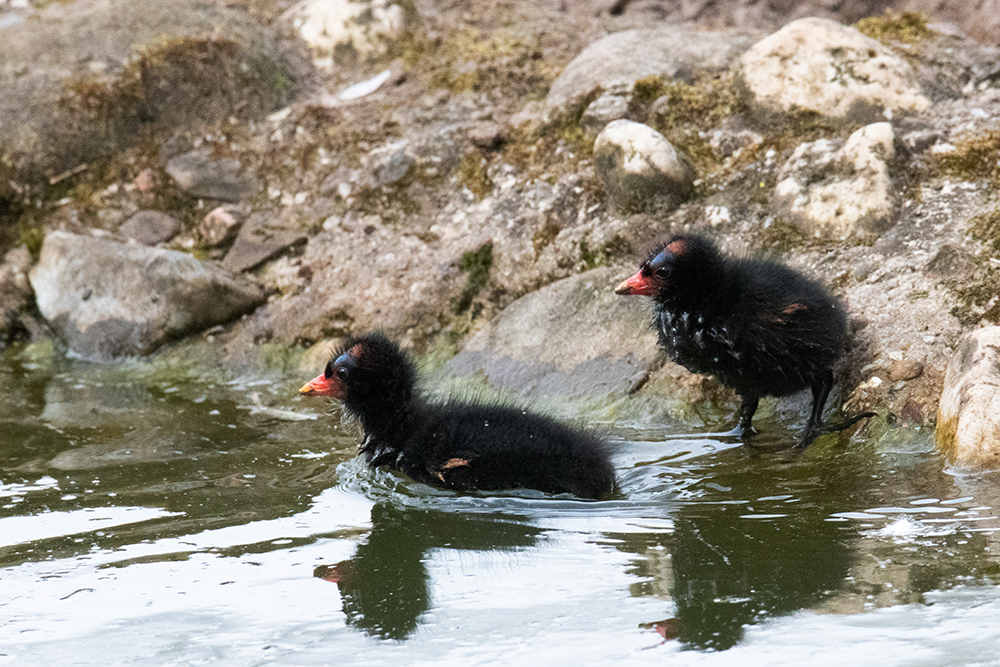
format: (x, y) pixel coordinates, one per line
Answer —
(574, 339)
(819, 65)
(968, 428)
(109, 299)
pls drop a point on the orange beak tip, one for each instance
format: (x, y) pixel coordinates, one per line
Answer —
(318, 386)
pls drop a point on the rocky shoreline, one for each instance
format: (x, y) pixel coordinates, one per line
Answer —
(477, 187)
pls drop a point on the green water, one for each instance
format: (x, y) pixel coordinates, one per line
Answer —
(162, 514)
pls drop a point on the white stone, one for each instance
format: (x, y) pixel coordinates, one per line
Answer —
(717, 215)
(968, 424)
(364, 26)
(815, 64)
(840, 193)
(219, 226)
(367, 87)
(636, 163)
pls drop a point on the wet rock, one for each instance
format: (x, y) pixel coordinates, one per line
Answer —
(220, 225)
(198, 174)
(488, 135)
(526, 349)
(639, 167)
(819, 65)
(150, 227)
(262, 237)
(668, 51)
(840, 193)
(968, 428)
(109, 299)
(905, 369)
(348, 31)
(15, 295)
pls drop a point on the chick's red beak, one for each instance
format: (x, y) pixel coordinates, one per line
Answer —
(321, 386)
(636, 285)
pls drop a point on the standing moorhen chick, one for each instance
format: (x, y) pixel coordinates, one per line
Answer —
(456, 445)
(760, 327)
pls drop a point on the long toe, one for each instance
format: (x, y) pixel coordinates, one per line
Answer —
(809, 436)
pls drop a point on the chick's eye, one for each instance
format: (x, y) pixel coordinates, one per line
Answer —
(662, 272)
(341, 373)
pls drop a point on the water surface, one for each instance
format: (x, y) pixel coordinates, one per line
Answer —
(165, 514)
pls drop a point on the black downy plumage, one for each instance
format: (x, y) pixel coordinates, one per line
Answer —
(461, 445)
(761, 327)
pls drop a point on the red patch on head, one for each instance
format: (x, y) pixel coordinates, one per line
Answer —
(362, 353)
(677, 247)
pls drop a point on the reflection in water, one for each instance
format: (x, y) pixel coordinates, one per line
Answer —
(730, 571)
(384, 587)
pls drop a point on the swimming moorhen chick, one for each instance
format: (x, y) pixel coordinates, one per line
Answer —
(760, 327)
(456, 444)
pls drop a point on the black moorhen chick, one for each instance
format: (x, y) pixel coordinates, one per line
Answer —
(456, 445)
(760, 327)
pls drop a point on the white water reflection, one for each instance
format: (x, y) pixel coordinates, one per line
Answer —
(20, 529)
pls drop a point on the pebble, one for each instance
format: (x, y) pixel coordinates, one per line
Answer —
(906, 369)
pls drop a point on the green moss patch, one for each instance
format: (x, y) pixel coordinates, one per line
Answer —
(985, 227)
(976, 157)
(780, 236)
(473, 173)
(477, 264)
(469, 60)
(908, 27)
(979, 301)
(681, 111)
(554, 148)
